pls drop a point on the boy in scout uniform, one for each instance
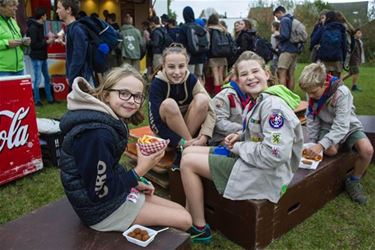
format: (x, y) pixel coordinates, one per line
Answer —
(332, 123)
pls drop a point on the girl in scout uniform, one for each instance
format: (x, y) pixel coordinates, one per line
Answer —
(263, 156)
(229, 104)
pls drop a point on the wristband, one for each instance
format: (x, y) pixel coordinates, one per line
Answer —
(136, 175)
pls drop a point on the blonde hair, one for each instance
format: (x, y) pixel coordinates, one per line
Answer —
(312, 76)
(111, 79)
(4, 3)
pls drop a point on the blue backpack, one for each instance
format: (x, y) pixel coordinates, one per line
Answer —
(331, 45)
(103, 38)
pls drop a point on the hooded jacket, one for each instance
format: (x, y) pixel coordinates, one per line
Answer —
(189, 18)
(183, 94)
(11, 59)
(270, 150)
(95, 139)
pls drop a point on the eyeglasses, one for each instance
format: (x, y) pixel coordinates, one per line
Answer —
(125, 95)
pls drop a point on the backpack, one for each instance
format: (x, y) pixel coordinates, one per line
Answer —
(331, 45)
(167, 39)
(298, 32)
(197, 39)
(102, 39)
(220, 44)
(263, 48)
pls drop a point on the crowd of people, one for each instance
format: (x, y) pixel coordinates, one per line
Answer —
(246, 139)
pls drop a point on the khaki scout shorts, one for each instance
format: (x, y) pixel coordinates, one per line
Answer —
(287, 60)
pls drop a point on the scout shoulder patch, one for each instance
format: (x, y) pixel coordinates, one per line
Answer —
(276, 120)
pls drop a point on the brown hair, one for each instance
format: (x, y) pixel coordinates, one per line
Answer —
(113, 77)
(73, 4)
(128, 19)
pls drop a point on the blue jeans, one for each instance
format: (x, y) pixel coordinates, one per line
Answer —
(41, 66)
(6, 73)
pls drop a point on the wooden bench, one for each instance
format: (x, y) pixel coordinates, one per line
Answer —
(56, 226)
(255, 223)
(368, 122)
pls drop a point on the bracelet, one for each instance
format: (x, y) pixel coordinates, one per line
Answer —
(136, 175)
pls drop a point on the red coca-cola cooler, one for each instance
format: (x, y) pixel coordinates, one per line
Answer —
(20, 152)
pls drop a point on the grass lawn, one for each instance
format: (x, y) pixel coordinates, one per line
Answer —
(341, 224)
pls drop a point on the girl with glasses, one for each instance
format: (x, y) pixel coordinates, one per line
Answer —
(180, 108)
(105, 195)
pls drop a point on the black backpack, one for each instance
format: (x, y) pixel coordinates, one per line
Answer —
(197, 39)
(167, 39)
(263, 48)
(103, 38)
(220, 44)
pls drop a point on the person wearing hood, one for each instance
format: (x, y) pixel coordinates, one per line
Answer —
(262, 157)
(180, 108)
(104, 194)
(11, 41)
(332, 44)
(132, 42)
(196, 60)
(39, 55)
(332, 124)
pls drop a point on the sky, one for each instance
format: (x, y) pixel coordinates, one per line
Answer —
(234, 8)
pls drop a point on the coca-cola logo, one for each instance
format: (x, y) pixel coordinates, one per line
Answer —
(17, 134)
(58, 87)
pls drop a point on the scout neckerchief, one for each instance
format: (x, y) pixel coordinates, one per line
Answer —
(249, 107)
(331, 84)
(243, 97)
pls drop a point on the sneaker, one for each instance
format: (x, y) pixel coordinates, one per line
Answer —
(200, 236)
(356, 88)
(177, 161)
(355, 191)
(38, 104)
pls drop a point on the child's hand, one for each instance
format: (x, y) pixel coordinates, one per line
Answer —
(231, 139)
(146, 162)
(201, 141)
(146, 188)
(314, 151)
(14, 43)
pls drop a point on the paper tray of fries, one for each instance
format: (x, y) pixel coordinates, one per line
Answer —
(151, 144)
(309, 163)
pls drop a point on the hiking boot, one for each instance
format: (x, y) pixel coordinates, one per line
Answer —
(200, 236)
(355, 191)
(38, 104)
(356, 88)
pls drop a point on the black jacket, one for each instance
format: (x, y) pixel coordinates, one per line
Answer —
(38, 46)
(245, 41)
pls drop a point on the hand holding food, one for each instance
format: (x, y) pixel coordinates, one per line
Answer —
(310, 154)
(149, 144)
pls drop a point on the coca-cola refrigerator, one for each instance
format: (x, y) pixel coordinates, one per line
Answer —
(20, 152)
